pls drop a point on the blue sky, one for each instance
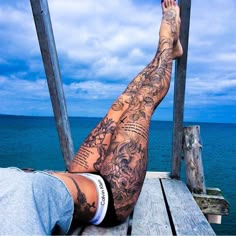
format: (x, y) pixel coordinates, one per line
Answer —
(103, 44)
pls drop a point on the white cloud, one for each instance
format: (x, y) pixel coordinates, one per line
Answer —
(203, 92)
(95, 29)
(212, 18)
(92, 90)
(17, 31)
(212, 38)
(103, 44)
(197, 85)
(23, 89)
(227, 57)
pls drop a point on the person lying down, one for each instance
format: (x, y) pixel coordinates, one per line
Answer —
(106, 175)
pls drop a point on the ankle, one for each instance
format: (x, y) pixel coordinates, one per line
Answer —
(166, 30)
(167, 36)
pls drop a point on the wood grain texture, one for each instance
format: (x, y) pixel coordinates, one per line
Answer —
(186, 215)
(157, 175)
(150, 215)
(51, 65)
(179, 88)
(212, 204)
(107, 231)
(156, 214)
(192, 147)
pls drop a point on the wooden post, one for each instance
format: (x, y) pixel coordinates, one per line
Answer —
(192, 147)
(49, 54)
(211, 202)
(179, 89)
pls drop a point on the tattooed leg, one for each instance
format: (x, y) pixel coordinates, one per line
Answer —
(94, 147)
(169, 10)
(124, 167)
(156, 85)
(92, 152)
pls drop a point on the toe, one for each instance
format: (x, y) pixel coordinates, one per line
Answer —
(168, 2)
(164, 5)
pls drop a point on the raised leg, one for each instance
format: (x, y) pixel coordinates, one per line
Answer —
(124, 167)
(117, 147)
(92, 152)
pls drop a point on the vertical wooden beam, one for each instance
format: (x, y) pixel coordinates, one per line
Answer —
(192, 146)
(179, 89)
(212, 205)
(49, 55)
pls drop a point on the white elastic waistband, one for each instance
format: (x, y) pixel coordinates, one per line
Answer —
(102, 197)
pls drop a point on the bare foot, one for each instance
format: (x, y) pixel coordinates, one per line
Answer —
(171, 25)
(177, 50)
(177, 47)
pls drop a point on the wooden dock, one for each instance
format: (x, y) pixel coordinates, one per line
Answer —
(165, 207)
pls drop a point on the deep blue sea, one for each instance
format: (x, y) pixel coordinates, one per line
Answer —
(33, 142)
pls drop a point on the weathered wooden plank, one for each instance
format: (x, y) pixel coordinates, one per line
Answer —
(121, 229)
(214, 191)
(186, 215)
(179, 89)
(52, 70)
(150, 215)
(192, 147)
(213, 210)
(212, 204)
(158, 175)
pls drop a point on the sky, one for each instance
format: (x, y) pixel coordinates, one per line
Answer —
(103, 44)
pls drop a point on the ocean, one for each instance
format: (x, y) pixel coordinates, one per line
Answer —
(33, 142)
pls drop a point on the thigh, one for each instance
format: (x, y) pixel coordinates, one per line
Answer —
(124, 167)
